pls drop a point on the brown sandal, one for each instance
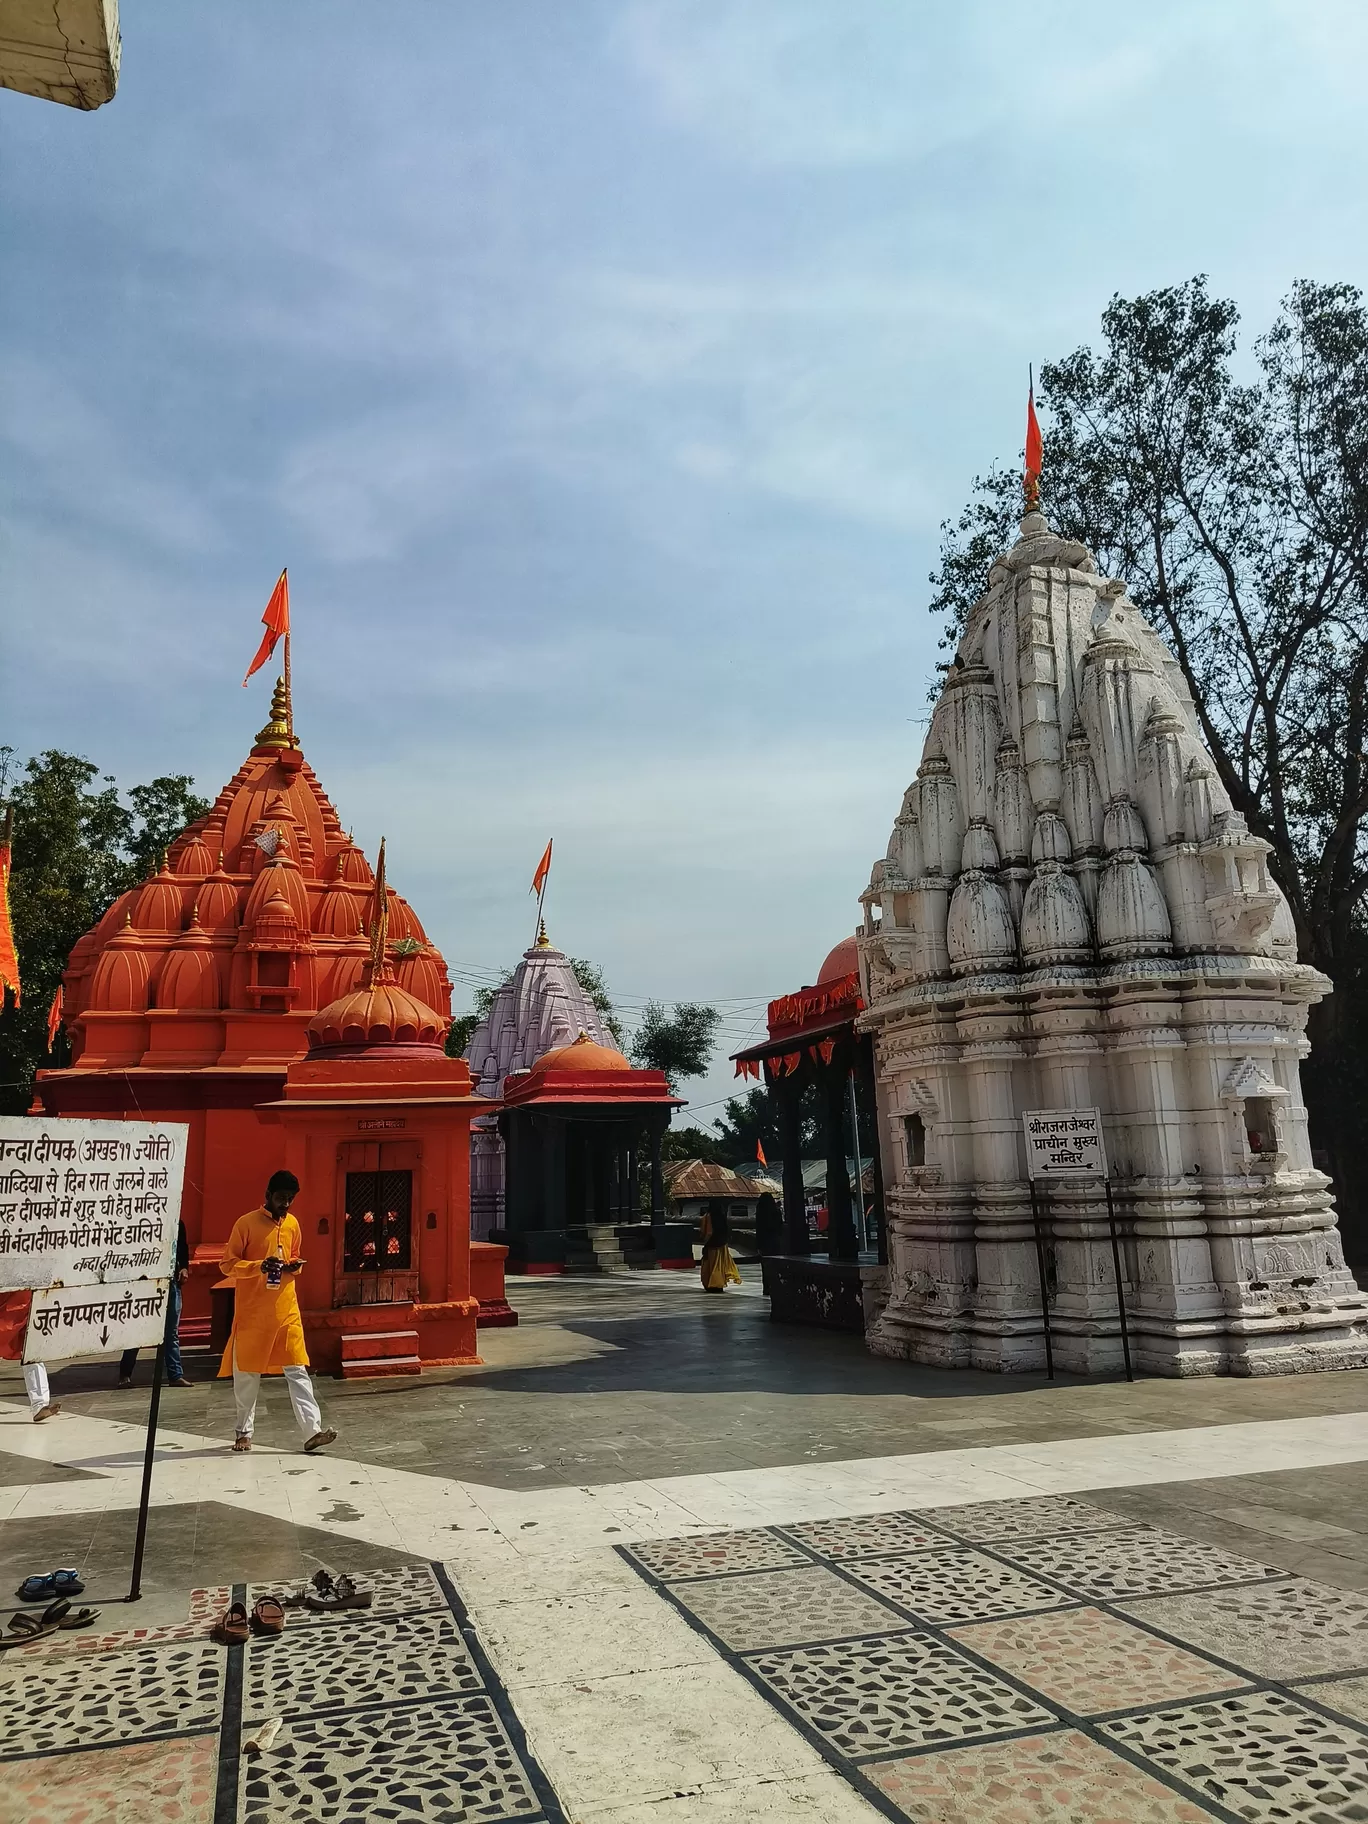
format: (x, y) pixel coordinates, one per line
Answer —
(268, 1617)
(234, 1628)
(243, 1441)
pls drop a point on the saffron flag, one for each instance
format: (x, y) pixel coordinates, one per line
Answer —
(9, 960)
(55, 1017)
(760, 1154)
(1035, 452)
(276, 621)
(543, 869)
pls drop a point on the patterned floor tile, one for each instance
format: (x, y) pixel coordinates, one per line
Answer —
(1135, 1561)
(396, 1592)
(142, 1691)
(1347, 1695)
(1293, 1629)
(955, 1585)
(1062, 1778)
(358, 1659)
(144, 1783)
(782, 1608)
(711, 1553)
(1261, 1755)
(897, 1691)
(866, 1534)
(1090, 1662)
(448, 1763)
(986, 1522)
(205, 1608)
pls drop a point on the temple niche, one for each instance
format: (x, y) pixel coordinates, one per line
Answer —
(1071, 914)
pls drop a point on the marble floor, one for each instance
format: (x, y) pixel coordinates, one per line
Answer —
(812, 1586)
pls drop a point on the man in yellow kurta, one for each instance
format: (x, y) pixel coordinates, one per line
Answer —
(262, 1259)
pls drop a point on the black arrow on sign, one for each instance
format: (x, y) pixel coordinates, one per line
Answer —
(104, 1334)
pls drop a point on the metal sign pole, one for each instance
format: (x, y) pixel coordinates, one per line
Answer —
(1044, 1283)
(136, 1590)
(1120, 1292)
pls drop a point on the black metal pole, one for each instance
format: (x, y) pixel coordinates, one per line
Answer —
(138, 1544)
(1120, 1293)
(1044, 1283)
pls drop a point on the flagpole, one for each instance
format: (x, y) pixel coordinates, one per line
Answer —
(540, 897)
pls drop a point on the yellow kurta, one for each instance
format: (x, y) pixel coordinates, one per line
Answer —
(267, 1332)
(717, 1269)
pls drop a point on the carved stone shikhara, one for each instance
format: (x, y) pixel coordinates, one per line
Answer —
(1071, 914)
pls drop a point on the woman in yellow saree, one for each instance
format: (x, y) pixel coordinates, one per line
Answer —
(718, 1270)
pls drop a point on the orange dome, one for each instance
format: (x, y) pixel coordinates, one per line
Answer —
(119, 984)
(584, 1054)
(190, 974)
(280, 878)
(338, 914)
(161, 903)
(192, 855)
(843, 960)
(421, 975)
(350, 864)
(216, 904)
(383, 1014)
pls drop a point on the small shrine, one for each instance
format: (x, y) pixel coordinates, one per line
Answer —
(540, 1007)
(1070, 916)
(269, 989)
(813, 1039)
(575, 1128)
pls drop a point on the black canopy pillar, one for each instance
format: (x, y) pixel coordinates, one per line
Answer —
(843, 1241)
(788, 1093)
(865, 1092)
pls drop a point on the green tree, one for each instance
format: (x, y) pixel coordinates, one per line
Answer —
(692, 1143)
(76, 847)
(1236, 509)
(679, 1042)
(753, 1116)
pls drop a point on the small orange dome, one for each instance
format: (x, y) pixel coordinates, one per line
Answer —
(584, 1054)
(216, 905)
(190, 975)
(192, 855)
(350, 864)
(844, 960)
(338, 914)
(161, 903)
(280, 878)
(403, 920)
(383, 1014)
(119, 984)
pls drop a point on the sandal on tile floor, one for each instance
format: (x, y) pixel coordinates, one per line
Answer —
(44, 1587)
(243, 1441)
(79, 1618)
(24, 1628)
(234, 1628)
(49, 1411)
(319, 1439)
(342, 1593)
(268, 1617)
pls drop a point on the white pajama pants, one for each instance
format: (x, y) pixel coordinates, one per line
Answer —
(246, 1387)
(36, 1385)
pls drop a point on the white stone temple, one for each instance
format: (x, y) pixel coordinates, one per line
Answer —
(541, 1006)
(1071, 915)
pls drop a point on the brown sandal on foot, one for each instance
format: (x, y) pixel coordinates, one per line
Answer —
(234, 1628)
(243, 1441)
(268, 1617)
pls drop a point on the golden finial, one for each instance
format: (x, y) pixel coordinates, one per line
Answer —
(378, 968)
(279, 730)
(543, 941)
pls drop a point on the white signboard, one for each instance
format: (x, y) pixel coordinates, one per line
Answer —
(95, 1320)
(1064, 1143)
(87, 1203)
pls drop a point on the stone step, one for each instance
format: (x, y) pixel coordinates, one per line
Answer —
(367, 1345)
(371, 1367)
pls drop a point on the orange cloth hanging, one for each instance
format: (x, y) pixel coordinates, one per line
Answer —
(9, 958)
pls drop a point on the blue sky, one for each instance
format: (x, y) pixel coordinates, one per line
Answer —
(602, 372)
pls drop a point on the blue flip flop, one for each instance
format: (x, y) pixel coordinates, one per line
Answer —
(50, 1584)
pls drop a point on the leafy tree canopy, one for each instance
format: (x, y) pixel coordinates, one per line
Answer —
(752, 1116)
(77, 846)
(679, 1042)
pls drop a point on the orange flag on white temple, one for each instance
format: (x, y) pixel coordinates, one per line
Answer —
(276, 621)
(543, 869)
(1035, 450)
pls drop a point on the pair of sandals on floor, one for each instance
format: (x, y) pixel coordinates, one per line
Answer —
(319, 1441)
(56, 1588)
(324, 1594)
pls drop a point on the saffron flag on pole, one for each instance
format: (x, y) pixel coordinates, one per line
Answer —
(9, 959)
(55, 1017)
(1035, 452)
(760, 1154)
(276, 621)
(543, 869)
